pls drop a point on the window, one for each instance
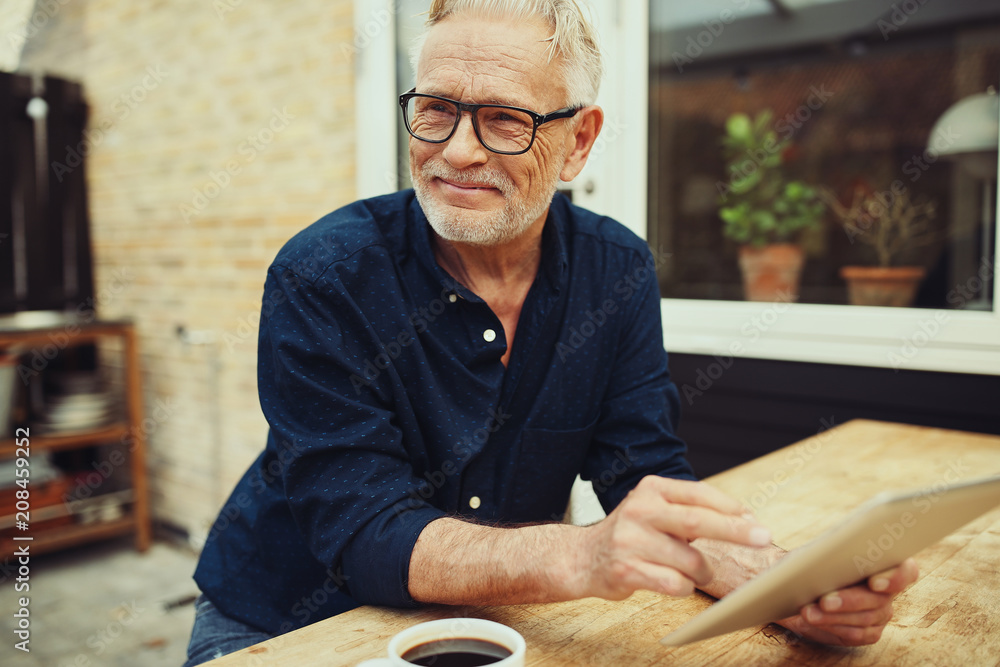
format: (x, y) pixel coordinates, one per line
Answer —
(852, 98)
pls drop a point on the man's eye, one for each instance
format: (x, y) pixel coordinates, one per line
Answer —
(503, 117)
(439, 110)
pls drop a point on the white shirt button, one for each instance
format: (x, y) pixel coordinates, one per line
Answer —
(489, 335)
(475, 502)
(453, 297)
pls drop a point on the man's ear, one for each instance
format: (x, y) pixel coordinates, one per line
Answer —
(589, 121)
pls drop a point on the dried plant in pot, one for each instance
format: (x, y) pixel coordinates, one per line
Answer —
(763, 211)
(891, 223)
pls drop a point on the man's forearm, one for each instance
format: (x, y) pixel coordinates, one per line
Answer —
(734, 564)
(456, 562)
(651, 541)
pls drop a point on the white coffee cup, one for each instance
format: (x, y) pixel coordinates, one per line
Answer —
(453, 628)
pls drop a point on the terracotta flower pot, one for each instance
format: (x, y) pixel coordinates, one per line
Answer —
(771, 272)
(882, 286)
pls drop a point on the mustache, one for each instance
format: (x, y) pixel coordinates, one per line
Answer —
(477, 176)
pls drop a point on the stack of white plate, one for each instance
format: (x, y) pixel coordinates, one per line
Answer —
(78, 402)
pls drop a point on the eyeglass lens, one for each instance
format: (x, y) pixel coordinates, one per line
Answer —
(500, 128)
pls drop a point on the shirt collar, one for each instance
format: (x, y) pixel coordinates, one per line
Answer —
(554, 264)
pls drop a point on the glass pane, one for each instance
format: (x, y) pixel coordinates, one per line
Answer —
(846, 104)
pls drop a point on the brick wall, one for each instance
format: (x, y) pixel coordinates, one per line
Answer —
(217, 130)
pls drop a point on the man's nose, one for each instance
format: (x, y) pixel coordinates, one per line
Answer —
(463, 149)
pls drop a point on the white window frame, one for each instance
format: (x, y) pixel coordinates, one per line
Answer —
(615, 182)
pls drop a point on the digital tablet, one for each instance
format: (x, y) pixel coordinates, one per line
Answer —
(878, 535)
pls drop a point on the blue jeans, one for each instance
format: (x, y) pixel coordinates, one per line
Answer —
(215, 634)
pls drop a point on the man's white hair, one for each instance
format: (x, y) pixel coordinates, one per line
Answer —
(573, 38)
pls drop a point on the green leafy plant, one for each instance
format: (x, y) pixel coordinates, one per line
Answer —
(759, 205)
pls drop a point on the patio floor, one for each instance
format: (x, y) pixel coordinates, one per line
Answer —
(102, 605)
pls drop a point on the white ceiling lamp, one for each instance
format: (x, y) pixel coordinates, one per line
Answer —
(968, 134)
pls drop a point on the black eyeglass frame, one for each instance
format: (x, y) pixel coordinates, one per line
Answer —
(473, 109)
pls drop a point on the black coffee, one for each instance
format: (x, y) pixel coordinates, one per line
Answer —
(457, 653)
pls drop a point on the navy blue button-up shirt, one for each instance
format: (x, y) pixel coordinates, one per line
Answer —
(380, 377)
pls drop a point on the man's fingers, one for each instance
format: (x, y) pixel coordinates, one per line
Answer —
(677, 555)
(635, 550)
(817, 616)
(666, 580)
(689, 523)
(834, 635)
(857, 615)
(895, 580)
(644, 542)
(684, 492)
(853, 599)
(693, 510)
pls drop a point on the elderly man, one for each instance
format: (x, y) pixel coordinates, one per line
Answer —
(438, 365)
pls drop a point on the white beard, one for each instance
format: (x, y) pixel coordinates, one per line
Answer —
(478, 227)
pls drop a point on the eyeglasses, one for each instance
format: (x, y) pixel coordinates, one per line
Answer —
(500, 129)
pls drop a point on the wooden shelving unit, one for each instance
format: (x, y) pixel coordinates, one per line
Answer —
(136, 520)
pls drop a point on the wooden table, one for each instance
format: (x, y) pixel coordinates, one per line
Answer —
(951, 616)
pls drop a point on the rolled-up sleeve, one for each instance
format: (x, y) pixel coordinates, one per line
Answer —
(348, 476)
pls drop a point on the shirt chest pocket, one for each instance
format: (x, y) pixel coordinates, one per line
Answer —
(547, 463)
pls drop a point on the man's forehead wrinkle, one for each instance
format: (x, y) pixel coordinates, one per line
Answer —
(483, 56)
(497, 79)
(476, 44)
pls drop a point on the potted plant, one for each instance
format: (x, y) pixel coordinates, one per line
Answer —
(763, 211)
(891, 223)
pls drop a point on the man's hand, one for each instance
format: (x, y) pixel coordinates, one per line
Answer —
(856, 615)
(644, 542)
